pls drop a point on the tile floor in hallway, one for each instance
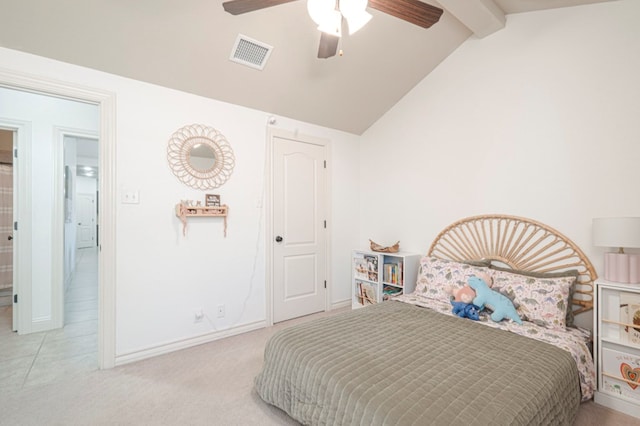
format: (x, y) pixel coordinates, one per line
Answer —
(45, 357)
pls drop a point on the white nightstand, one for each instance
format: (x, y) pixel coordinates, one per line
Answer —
(616, 348)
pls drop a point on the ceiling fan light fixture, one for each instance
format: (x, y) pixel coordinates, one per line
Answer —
(355, 12)
(319, 10)
(332, 24)
(357, 22)
(353, 7)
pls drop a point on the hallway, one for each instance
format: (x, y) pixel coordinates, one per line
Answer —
(50, 356)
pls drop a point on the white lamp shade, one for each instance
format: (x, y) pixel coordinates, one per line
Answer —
(329, 20)
(355, 13)
(332, 24)
(616, 232)
(353, 7)
(320, 9)
(358, 21)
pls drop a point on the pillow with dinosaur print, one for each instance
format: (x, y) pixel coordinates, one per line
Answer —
(543, 301)
(437, 276)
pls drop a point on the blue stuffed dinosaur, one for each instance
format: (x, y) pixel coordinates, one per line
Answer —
(466, 310)
(500, 304)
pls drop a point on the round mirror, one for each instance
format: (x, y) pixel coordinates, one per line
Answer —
(200, 156)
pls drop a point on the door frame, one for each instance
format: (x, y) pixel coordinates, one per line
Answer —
(106, 101)
(57, 225)
(272, 133)
(21, 209)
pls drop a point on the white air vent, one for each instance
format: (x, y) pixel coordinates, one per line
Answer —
(249, 52)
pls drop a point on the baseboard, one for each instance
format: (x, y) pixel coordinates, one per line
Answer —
(617, 403)
(187, 343)
(6, 300)
(341, 304)
(42, 324)
(201, 339)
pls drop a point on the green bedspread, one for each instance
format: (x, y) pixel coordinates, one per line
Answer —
(399, 364)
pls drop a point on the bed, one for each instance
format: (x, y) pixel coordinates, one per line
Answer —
(410, 361)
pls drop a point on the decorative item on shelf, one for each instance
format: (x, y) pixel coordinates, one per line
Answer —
(187, 208)
(212, 200)
(200, 156)
(391, 249)
(621, 232)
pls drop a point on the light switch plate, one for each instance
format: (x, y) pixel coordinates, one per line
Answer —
(131, 197)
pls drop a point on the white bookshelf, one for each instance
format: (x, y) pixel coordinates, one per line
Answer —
(617, 346)
(377, 276)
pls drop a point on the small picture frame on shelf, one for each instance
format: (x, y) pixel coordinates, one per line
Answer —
(630, 315)
(212, 200)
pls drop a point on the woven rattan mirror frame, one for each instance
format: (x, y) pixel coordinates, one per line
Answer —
(179, 151)
(520, 243)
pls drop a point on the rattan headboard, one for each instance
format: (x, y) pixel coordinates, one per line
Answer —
(521, 244)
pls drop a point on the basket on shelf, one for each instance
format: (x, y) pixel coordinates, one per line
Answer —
(391, 249)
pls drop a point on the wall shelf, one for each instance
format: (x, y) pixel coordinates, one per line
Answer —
(184, 211)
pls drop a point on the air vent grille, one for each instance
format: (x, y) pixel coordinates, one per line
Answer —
(249, 52)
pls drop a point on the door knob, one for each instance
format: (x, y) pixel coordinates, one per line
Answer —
(10, 237)
(278, 239)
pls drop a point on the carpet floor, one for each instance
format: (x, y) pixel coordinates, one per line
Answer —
(211, 384)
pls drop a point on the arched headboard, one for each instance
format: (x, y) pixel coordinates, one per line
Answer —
(520, 243)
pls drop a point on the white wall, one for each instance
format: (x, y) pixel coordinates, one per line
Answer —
(539, 120)
(86, 185)
(163, 277)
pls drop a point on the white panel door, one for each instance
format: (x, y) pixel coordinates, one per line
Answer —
(299, 206)
(86, 216)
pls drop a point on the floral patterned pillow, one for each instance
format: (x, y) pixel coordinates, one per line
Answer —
(543, 301)
(435, 275)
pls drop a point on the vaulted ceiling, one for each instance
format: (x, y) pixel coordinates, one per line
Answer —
(186, 45)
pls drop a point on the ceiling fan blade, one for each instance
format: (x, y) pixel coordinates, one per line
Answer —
(237, 7)
(414, 11)
(328, 45)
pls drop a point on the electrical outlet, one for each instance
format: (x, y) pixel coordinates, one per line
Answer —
(220, 311)
(198, 315)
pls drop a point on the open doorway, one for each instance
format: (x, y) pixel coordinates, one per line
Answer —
(35, 317)
(55, 306)
(81, 212)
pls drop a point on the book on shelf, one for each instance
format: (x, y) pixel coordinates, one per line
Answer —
(366, 293)
(372, 267)
(620, 373)
(630, 315)
(392, 273)
(361, 270)
(390, 291)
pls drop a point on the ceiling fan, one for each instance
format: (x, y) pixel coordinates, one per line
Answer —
(413, 11)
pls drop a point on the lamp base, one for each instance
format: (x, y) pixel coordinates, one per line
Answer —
(622, 267)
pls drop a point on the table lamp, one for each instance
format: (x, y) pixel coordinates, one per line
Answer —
(620, 232)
